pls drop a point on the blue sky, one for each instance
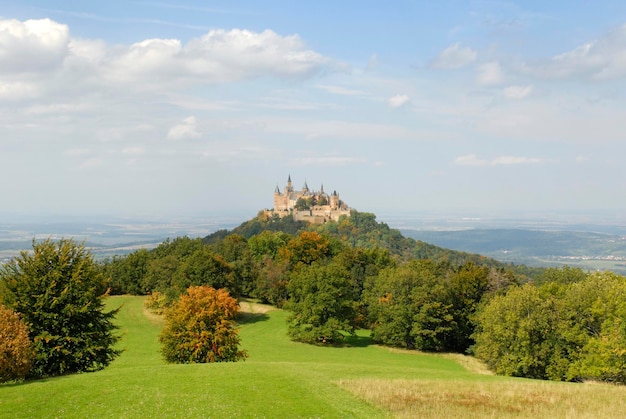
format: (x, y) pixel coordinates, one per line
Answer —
(185, 108)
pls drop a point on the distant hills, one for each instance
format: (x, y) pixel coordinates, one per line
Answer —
(588, 250)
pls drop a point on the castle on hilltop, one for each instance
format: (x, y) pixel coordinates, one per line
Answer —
(307, 205)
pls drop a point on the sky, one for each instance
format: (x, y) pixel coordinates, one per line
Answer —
(200, 108)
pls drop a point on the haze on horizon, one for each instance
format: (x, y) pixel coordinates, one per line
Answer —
(149, 108)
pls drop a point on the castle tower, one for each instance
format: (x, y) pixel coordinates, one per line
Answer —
(334, 201)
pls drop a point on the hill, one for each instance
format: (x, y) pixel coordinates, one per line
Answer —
(585, 249)
(361, 229)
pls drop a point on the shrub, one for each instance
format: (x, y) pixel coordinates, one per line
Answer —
(199, 328)
(16, 352)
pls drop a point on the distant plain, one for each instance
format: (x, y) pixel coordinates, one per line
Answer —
(590, 242)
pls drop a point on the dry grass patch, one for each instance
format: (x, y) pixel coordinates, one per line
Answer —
(470, 363)
(493, 399)
(154, 318)
(250, 307)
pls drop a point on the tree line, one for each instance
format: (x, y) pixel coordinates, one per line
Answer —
(335, 278)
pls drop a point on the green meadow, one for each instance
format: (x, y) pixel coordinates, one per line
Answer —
(284, 379)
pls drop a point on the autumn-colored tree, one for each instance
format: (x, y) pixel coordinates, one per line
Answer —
(199, 328)
(307, 248)
(16, 352)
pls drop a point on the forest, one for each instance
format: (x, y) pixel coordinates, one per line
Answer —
(561, 324)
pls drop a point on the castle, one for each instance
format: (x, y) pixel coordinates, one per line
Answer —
(316, 207)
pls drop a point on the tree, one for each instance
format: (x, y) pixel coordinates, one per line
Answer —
(409, 307)
(323, 304)
(308, 247)
(467, 286)
(59, 290)
(16, 352)
(199, 328)
(519, 334)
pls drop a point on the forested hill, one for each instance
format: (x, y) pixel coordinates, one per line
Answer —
(362, 230)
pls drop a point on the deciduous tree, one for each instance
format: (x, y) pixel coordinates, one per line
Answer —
(199, 328)
(16, 352)
(323, 304)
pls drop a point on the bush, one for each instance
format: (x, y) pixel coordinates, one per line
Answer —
(199, 328)
(16, 352)
(58, 289)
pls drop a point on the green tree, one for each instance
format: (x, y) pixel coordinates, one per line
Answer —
(596, 308)
(199, 328)
(518, 334)
(271, 283)
(467, 286)
(58, 290)
(409, 307)
(323, 304)
(268, 243)
(125, 274)
(237, 252)
(204, 267)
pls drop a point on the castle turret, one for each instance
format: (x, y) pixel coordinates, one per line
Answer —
(334, 201)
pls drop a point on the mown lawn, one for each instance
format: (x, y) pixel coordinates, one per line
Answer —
(282, 379)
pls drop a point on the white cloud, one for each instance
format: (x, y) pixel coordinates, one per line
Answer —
(239, 54)
(327, 161)
(40, 46)
(372, 63)
(490, 74)
(398, 101)
(510, 160)
(473, 160)
(517, 92)
(601, 59)
(32, 45)
(78, 152)
(339, 90)
(91, 163)
(455, 57)
(470, 160)
(133, 150)
(15, 91)
(187, 129)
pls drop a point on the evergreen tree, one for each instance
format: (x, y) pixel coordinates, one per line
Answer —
(58, 290)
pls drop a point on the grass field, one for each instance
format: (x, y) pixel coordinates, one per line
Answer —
(282, 379)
